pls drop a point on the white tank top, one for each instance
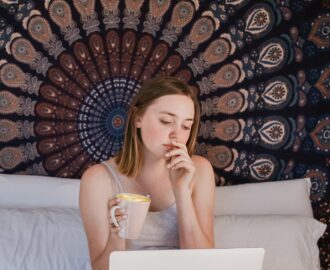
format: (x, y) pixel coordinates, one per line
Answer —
(160, 229)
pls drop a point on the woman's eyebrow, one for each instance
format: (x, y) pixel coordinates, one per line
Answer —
(172, 114)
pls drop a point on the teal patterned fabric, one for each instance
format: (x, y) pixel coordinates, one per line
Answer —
(261, 69)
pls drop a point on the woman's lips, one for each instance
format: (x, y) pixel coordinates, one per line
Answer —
(168, 146)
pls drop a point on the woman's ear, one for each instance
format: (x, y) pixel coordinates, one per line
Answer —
(138, 121)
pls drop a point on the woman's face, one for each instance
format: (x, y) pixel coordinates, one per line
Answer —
(168, 118)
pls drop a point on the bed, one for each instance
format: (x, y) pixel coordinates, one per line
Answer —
(41, 226)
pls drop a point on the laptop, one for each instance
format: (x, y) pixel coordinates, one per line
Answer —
(190, 259)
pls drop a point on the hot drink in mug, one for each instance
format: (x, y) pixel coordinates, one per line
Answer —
(136, 207)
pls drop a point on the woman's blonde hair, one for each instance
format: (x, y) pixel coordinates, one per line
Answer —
(129, 160)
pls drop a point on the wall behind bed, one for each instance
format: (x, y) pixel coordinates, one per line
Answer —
(69, 69)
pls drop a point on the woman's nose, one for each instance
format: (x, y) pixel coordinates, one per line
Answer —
(173, 136)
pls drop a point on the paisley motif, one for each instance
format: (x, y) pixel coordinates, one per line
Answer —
(278, 93)
(182, 14)
(217, 51)
(230, 103)
(39, 29)
(220, 156)
(227, 76)
(159, 7)
(60, 13)
(84, 7)
(273, 133)
(23, 51)
(259, 20)
(263, 168)
(227, 130)
(273, 55)
(8, 102)
(10, 157)
(12, 76)
(8, 130)
(201, 30)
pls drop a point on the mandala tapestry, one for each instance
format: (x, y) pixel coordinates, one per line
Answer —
(69, 71)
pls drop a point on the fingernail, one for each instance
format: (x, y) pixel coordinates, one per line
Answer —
(167, 154)
(173, 141)
(122, 211)
(117, 200)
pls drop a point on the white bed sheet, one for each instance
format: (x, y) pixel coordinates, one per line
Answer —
(29, 191)
(42, 239)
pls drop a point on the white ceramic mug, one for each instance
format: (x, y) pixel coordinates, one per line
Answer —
(136, 207)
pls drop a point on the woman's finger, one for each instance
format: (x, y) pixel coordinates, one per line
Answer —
(115, 230)
(118, 213)
(176, 160)
(121, 217)
(179, 145)
(118, 219)
(176, 152)
(184, 165)
(113, 202)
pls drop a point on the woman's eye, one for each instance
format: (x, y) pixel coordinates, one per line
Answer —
(165, 122)
(186, 128)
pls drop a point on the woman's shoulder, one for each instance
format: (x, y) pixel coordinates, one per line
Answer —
(96, 175)
(201, 162)
(204, 175)
(100, 171)
(204, 169)
(94, 171)
(95, 187)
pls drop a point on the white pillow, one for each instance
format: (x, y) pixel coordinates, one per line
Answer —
(290, 242)
(27, 191)
(289, 197)
(43, 238)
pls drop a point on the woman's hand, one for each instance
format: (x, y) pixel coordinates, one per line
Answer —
(119, 214)
(181, 168)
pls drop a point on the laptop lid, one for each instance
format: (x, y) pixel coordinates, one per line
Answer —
(192, 259)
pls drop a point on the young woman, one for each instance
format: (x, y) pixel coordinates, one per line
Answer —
(157, 159)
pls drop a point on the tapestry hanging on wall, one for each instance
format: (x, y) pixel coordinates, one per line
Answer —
(69, 70)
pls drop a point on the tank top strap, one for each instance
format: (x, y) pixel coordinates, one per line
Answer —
(115, 176)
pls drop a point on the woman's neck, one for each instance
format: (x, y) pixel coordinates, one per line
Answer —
(152, 168)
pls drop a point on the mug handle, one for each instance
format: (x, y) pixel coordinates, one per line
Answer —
(112, 214)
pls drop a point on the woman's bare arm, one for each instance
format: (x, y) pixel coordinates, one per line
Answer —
(95, 198)
(196, 210)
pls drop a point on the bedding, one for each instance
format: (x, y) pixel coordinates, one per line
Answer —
(38, 191)
(289, 197)
(290, 242)
(41, 226)
(53, 238)
(42, 239)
